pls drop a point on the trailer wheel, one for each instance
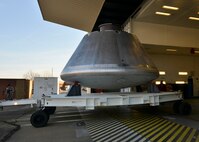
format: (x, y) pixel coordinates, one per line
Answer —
(176, 106)
(50, 110)
(39, 119)
(185, 108)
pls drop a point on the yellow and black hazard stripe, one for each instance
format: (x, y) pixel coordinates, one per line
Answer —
(110, 130)
(138, 127)
(159, 129)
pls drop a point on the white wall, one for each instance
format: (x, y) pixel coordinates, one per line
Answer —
(172, 64)
(149, 33)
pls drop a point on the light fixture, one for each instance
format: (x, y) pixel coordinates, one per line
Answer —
(182, 73)
(196, 51)
(158, 82)
(162, 72)
(198, 12)
(172, 50)
(180, 82)
(163, 13)
(193, 18)
(170, 7)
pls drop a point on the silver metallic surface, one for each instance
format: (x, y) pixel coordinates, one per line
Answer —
(109, 59)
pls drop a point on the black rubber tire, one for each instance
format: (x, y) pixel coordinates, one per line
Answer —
(176, 106)
(50, 110)
(39, 119)
(185, 108)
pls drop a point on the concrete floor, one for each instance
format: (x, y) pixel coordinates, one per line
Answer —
(137, 123)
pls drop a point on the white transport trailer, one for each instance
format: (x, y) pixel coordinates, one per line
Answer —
(47, 99)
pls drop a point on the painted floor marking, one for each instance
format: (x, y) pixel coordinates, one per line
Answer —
(156, 128)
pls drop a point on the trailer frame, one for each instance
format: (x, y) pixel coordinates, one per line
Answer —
(48, 103)
(92, 100)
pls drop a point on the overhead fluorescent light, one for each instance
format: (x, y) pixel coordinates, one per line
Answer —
(182, 73)
(163, 13)
(180, 82)
(158, 82)
(193, 18)
(170, 7)
(172, 50)
(162, 72)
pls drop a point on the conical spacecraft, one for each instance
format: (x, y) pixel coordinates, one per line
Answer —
(109, 59)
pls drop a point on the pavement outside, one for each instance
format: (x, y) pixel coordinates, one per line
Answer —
(65, 126)
(7, 120)
(6, 130)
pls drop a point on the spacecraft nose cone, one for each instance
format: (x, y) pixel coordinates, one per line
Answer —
(109, 59)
